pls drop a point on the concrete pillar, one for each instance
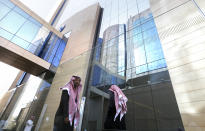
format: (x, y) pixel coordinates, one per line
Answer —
(75, 59)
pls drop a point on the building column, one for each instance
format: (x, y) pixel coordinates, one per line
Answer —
(75, 59)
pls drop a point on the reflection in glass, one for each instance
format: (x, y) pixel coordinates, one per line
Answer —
(29, 34)
(28, 31)
(5, 34)
(3, 10)
(8, 3)
(20, 42)
(113, 49)
(7, 22)
(128, 53)
(21, 12)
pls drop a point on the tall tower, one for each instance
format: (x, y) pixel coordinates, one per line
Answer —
(113, 49)
(144, 51)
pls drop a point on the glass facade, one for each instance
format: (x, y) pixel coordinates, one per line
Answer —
(26, 32)
(144, 51)
(53, 50)
(113, 49)
(29, 94)
(128, 53)
(23, 30)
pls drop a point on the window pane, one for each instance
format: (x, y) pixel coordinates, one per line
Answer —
(7, 22)
(152, 44)
(157, 64)
(135, 31)
(21, 12)
(137, 40)
(141, 69)
(149, 33)
(8, 3)
(20, 42)
(32, 48)
(148, 25)
(3, 10)
(28, 31)
(154, 55)
(35, 22)
(5, 34)
(139, 55)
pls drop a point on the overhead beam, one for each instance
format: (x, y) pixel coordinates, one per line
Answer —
(22, 59)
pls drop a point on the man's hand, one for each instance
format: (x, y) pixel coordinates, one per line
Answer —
(66, 120)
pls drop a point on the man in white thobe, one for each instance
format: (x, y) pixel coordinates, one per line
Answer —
(29, 124)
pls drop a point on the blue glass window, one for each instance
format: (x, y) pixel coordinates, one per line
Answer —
(149, 33)
(141, 69)
(137, 40)
(20, 42)
(114, 80)
(96, 75)
(3, 10)
(21, 12)
(148, 54)
(157, 64)
(8, 3)
(136, 30)
(152, 43)
(136, 22)
(8, 22)
(98, 49)
(154, 55)
(5, 34)
(28, 31)
(55, 51)
(32, 48)
(139, 54)
(34, 21)
(148, 25)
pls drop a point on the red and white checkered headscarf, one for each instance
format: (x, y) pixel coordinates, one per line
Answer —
(120, 101)
(73, 93)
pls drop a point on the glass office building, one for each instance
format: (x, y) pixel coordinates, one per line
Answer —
(127, 46)
(128, 53)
